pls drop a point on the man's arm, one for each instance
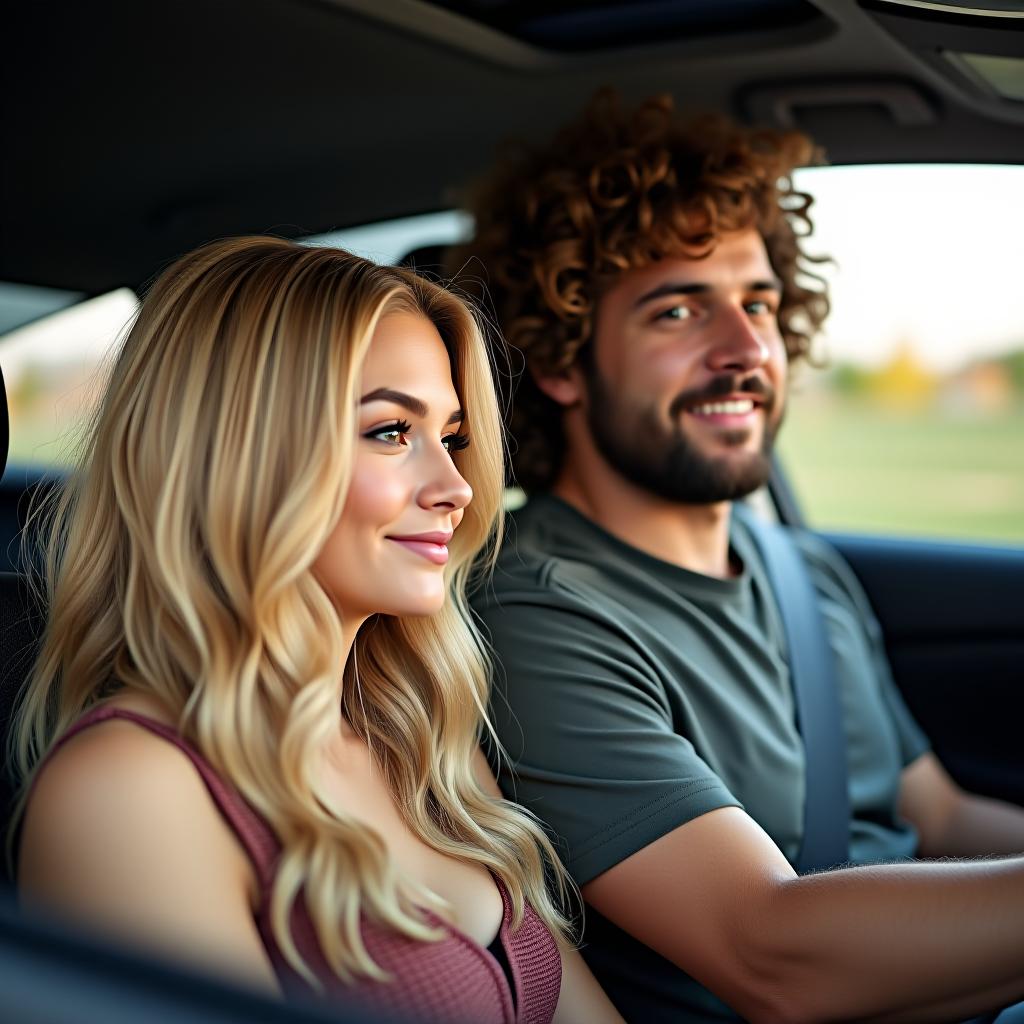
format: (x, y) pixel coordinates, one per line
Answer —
(665, 856)
(898, 942)
(952, 822)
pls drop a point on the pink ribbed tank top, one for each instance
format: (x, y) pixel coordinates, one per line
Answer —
(454, 979)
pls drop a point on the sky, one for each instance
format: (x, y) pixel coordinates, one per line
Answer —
(933, 256)
(929, 256)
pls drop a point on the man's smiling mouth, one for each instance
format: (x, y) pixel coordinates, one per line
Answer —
(734, 407)
(730, 400)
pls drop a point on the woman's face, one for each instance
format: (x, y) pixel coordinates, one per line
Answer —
(388, 550)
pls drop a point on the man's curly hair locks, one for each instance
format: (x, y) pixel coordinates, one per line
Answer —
(615, 190)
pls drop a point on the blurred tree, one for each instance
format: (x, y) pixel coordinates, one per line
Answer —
(25, 390)
(1014, 363)
(850, 379)
(903, 382)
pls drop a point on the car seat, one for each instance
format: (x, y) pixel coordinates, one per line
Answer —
(21, 624)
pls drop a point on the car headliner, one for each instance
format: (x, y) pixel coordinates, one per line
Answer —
(137, 131)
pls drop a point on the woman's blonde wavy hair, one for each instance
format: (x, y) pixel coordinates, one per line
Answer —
(179, 564)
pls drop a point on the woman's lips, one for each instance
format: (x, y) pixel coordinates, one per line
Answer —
(433, 547)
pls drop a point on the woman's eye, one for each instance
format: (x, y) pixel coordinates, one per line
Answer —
(455, 443)
(760, 308)
(393, 433)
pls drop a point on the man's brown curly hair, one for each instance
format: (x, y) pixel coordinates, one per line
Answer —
(615, 190)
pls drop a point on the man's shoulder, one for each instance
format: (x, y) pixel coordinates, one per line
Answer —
(531, 573)
(841, 596)
(542, 559)
(830, 573)
(817, 552)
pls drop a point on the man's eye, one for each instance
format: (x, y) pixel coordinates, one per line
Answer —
(759, 307)
(676, 313)
(393, 433)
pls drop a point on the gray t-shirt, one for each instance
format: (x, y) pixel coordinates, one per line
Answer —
(633, 696)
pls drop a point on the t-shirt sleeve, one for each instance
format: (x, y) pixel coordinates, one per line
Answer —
(587, 727)
(839, 577)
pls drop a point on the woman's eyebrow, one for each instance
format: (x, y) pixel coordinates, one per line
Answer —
(414, 405)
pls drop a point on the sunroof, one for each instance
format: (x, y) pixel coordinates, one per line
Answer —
(600, 24)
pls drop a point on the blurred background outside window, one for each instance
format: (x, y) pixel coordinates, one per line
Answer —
(915, 424)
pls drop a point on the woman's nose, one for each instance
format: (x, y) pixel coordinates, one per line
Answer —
(446, 488)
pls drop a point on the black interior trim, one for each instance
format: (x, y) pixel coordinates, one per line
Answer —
(278, 117)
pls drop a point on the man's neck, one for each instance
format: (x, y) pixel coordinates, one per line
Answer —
(694, 537)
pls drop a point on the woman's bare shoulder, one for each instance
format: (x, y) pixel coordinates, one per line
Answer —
(114, 791)
(121, 833)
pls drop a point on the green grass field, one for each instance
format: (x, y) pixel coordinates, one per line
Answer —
(860, 466)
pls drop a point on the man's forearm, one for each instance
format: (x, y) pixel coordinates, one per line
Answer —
(978, 827)
(950, 821)
(878, 941)
(889, 942)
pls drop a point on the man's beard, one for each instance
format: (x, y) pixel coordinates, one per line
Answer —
(635, 442)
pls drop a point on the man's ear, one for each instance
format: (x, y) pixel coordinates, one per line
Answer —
(564, 387)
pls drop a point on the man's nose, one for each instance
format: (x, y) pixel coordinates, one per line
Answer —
(737, 345)
(446, 487)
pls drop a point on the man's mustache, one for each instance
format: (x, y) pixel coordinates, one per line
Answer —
(727, 384)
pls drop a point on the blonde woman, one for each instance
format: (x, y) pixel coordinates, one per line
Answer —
(251, 738)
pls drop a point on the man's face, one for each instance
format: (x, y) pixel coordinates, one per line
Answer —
(686, 380)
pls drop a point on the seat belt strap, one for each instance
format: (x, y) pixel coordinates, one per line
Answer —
(812, 669)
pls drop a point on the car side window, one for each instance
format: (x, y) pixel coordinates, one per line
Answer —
(54, 364)
(54, 370)
(915, 425)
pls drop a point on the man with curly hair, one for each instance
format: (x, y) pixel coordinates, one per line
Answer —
(651, 274)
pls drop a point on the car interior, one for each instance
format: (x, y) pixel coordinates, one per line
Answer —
(137, 132)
